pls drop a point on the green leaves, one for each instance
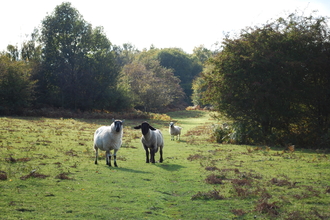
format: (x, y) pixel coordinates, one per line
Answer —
(78, 70)
(151, 85)
(16, 86)
(270, 75)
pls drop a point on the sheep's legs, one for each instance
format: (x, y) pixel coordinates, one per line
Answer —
(152, 155)
(147, 154)
(161, 154)
(96, 154)
(108, 158)
(115, 157)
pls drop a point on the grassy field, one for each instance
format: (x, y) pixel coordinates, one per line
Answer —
(47, 171)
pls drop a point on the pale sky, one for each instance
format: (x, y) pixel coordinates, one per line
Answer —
(164, 23)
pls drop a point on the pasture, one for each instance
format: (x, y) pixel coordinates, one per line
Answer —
(47, 171)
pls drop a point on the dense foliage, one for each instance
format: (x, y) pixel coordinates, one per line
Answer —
(151, 86)
(16, 88)
(78, 68)
(74, 66)
(274, 82)
(185, 67)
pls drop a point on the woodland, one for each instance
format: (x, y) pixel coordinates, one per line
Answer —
(271, 83)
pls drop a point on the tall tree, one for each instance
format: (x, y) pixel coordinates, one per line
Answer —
(78, 66)
(31, 50)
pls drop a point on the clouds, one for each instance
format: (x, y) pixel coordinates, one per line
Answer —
(171, 23)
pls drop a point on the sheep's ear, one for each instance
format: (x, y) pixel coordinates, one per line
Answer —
(152, 128)
(137, 127)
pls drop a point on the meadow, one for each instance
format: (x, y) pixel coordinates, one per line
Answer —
(47, 171)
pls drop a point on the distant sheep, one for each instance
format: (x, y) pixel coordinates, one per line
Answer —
(174, 131)
(109, 138)
(151, 139)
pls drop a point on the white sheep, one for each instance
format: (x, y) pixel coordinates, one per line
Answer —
(109, 138)
(151, 139)
(174, 131)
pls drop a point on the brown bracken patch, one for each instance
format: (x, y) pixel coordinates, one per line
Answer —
(3, 175)
(63, 176)
(213, 179)
(213, 194)
(238, 212)
(35, 175)
(267, 208)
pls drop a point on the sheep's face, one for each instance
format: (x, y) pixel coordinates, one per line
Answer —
(144, 128)
(171, 124)
(118, 125)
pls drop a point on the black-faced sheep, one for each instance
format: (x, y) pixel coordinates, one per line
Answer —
(174, 131)
(151, 139)
(109, 138)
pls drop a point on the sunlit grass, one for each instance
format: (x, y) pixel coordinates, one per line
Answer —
(47, 171)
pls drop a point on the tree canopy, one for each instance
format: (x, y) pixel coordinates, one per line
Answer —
(78, 68)
(151, 86)
(274, 80)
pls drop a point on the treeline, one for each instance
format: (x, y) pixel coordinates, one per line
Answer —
(273, 82)
(69, 64)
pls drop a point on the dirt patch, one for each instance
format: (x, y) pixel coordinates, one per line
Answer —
(3, 175)
(35, 175)
(238, 212)
(71, 153)
(211, 168)
(241, 182)
(279, 182)
(196, 157)
(63, 176)
(267, 208)
(213, 194)
(13, 160)
(214, 179)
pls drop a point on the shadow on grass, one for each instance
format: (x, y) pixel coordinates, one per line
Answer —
(170, 167)
(131, 170)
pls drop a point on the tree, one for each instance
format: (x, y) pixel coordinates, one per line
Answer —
(16, 86)
(202, 54)
(13, 52)
(31, 50)
(78, 68)
(184, 67)
(125, 54)
(274, 78)
(151, 86)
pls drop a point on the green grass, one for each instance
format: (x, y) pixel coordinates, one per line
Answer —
(50, 170)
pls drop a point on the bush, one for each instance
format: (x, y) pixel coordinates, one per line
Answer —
(16, 86)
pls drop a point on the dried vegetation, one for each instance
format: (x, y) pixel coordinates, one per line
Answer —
(272, 193)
